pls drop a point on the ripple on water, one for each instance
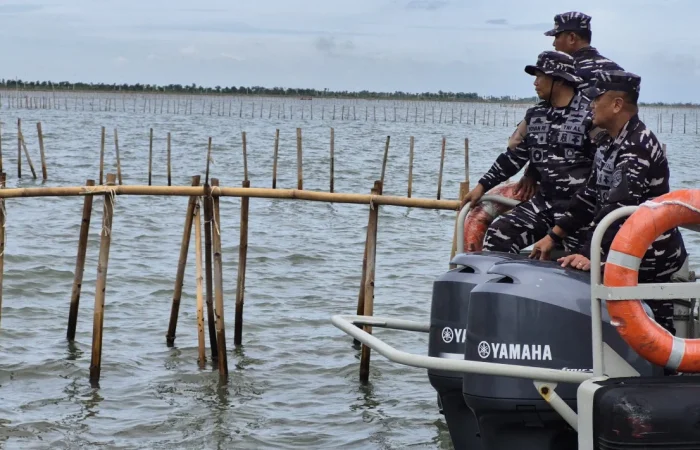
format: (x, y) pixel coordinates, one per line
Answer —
(294, 382)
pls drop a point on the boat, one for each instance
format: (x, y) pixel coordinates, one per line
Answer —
(523, 354)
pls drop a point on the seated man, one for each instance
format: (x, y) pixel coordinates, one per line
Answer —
(558, 147)
(630, 168)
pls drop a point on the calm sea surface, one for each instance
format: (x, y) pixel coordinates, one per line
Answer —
(294, 382)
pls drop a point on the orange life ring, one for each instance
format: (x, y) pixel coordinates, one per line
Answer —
(479, 219)
(643, 334)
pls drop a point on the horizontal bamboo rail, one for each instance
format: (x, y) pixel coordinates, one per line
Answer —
(188, 191)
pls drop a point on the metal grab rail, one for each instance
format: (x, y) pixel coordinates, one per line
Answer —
(461, 218)
(348, 324)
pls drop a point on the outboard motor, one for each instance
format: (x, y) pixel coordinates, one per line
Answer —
(447, 339)
(532, 313)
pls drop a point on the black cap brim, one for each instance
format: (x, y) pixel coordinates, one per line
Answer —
(552, 32)
(593, 92)
(533, 70)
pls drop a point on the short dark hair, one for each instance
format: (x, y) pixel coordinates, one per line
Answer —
(584, 34)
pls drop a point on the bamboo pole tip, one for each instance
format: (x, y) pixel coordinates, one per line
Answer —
(90, 183)
(214, 181)
(111, 178)
(246, 183)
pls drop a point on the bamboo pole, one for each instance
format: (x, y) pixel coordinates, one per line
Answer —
(386, 155)
(181, 266)
(466, 162)
(187, 191)
(332, 156)
(208, 271)
(274, 159)
(41, 151)
(169, 171)
(119, 163)
(410, 168)
(200, 300)
(102, 156)
(19, 148)
(3, 179)
(300, 178)
(219, 288)
(242, 260)
(1, 169)
(79, 265)
(101, 284)
(368, 304)
(150, 155)
(245, 156)
(26, 153)
(442, 163)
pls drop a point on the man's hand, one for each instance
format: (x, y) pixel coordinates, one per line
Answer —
(473, 196)
(526, 187)
(542, 248)
(579, 262)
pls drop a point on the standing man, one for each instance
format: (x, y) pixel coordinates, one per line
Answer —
(559, 149)
(572, 35)
(630, 168)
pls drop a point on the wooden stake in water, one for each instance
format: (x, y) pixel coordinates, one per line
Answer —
(442, 164)
(116, 149)
(181, 266)
(150, 155)
(219, 285)
(169, 173)
(41, 150)
(368, 303)
(386, 156)
(101, 285)
(200, 297)
(466, 161)
(332, 156)
(410, 168)
(245, 156)
(19, 148)
(300, 177)
(1, 169)
(80, 264)
(208, 214)
(26, 153)
(274, 159)
(242, 259)
(102, 156)
(3, 178)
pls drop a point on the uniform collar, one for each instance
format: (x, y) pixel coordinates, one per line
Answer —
(585, 52)
(627, 129)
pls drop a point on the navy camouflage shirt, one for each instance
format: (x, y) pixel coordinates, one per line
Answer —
(588, 62)
(629, 170)
(559, 149)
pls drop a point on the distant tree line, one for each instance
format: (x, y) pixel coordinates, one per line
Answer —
(277, 92)
(256, 91)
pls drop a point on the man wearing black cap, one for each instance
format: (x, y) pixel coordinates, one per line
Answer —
(572, 35)
(630, 168)
(557, 146)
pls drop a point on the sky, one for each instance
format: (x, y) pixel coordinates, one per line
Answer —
(378, 45)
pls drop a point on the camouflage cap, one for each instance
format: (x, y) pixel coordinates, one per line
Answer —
(570, 21)
(556, 64)
(614, 80)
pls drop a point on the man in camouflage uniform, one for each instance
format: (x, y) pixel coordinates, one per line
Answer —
(557, 146)
(572, 35)
(630, 168)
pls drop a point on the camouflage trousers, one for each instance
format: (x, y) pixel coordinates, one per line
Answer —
(526, 224)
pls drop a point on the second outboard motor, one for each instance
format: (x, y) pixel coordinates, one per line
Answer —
(447, 339)
(532, 313)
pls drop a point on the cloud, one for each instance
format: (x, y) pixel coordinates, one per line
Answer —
(497, 22)
(329, 46)
(120, 60)
(19, 8)
(230, 56)
(428, 5)
(189, 50)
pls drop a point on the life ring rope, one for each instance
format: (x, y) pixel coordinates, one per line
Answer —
(649, 339)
